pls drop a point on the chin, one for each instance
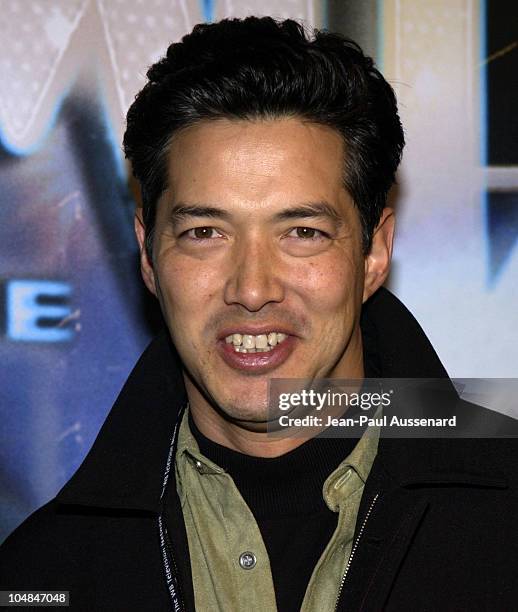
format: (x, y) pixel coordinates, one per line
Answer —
(249, 415)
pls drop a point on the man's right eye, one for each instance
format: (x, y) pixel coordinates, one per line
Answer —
(202, 233)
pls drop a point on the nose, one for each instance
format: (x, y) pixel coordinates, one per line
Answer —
(254, 275)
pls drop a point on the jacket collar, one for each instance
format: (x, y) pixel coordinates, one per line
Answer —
(125, 467)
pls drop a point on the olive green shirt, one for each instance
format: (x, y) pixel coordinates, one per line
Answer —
(230, 566)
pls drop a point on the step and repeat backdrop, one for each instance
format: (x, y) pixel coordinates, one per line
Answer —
(74, 315)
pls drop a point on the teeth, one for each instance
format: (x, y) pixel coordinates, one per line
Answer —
(261, 341)
(240, 349)
(246, 343)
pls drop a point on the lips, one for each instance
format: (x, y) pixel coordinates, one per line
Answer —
(259, 362)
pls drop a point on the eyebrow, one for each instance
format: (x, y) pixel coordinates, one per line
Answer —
(309, 210)
(180, 211)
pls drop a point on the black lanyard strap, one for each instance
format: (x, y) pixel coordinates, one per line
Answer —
(170, 570)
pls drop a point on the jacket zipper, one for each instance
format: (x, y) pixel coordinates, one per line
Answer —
(354, 548)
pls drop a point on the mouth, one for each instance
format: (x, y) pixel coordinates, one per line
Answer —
(256, 352)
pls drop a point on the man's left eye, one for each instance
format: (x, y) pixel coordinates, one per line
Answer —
(307, 233)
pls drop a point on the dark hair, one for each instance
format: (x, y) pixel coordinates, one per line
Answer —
(262, 68)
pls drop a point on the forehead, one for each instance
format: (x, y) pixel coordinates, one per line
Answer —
(246, 162)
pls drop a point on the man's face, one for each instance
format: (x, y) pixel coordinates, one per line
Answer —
(257, 240)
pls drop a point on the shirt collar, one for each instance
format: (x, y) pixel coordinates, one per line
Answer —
(341, 482)
(188, 449)
(359, 461)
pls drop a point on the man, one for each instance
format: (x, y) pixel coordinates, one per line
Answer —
(265, 158)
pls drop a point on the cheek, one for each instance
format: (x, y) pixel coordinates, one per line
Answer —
(183, 294)
(186, 287)
(329, 287)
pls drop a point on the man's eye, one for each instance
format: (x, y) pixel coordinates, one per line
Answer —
(202, 233)
(307, 233)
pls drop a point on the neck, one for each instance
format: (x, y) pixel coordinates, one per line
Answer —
(238, 438)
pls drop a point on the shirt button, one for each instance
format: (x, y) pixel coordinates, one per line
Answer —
(247, 560)
(199, 466)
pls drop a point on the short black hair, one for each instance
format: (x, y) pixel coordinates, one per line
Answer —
(262, 68)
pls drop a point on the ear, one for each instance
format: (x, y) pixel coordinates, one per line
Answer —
(377, 261)
(146, 266)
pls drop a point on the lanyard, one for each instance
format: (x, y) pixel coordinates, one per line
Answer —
(165, 541)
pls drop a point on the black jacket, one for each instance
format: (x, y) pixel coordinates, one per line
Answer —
(436, 527)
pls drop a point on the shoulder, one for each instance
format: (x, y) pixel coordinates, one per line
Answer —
(39, 544)
(65, 543)
(107, 559)
(493, 437)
